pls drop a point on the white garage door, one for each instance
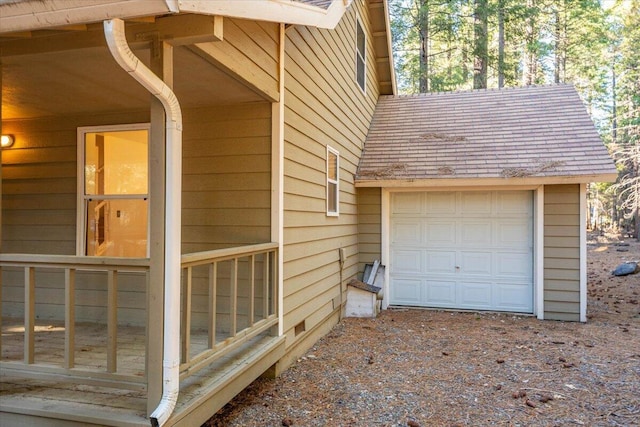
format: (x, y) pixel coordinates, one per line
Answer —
(463, 250)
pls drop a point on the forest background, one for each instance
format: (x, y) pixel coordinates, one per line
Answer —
(445, 45)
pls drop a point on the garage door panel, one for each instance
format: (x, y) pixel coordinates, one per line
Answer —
(514, 297)
(440, 262)
(514, 233)
(475, 233)
(440, 233)
(408, 261)
(475, 294)
(476, 203)
(407, 203)
(440, 203)
(441, 292)
(514, 202)
(475, 262)
(407, 232)
(407, 291)
(514, 265)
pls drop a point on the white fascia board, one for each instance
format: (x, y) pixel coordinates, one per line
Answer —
(27, 15)
(466, 182)
(387, 21)
(283, 11)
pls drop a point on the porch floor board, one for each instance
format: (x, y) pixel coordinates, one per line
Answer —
(90, 345)
(29, 398)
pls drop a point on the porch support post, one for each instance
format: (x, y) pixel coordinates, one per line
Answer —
(277, 179)
(162, 66)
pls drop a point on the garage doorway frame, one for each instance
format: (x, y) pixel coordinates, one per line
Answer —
(538, 234)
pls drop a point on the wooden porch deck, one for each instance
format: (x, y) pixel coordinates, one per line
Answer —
(42, 398)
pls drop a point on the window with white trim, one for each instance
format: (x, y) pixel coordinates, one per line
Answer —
(333, 182)
(113, 191)
(361, 44)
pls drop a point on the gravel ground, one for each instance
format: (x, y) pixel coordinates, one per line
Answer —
(436, 368)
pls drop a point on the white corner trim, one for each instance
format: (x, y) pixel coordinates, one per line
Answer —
(277, 178)
(583, 252)
(538, 257)
(385, 203)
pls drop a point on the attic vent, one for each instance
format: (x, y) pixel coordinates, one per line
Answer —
(300, 328)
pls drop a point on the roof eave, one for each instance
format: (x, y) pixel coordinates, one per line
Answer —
(29, 15)
(486, 182)
(286, 11)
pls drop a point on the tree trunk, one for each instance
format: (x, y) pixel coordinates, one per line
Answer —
(636, 174)
(480, 51)
(500, 43)
(423, 22)
(557, 48)
(530, 57)
(614, 105)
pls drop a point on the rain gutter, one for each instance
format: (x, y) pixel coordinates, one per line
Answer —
(115, 35)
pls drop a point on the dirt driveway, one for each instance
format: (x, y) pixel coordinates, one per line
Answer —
(433, 368)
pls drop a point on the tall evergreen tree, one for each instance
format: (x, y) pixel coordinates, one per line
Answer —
(481, 43)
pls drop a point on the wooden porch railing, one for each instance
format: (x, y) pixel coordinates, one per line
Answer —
(234, 289)
(70, 265)
(245, 277)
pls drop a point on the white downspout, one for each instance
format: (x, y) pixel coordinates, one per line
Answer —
(117, 42)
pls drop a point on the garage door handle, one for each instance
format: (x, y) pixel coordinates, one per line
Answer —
(457, 267)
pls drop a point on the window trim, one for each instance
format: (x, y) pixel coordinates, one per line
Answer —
(330, 181)
(81, 197)
(361, 56)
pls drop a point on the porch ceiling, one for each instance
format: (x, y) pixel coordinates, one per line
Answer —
(66, 81)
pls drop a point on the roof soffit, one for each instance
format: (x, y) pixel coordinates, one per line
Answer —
(381, 37)
(30, 15)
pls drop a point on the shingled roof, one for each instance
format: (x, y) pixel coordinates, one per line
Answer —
(324, 4)
(519, 135)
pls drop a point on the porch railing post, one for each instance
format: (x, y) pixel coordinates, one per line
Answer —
(69, 317)
(29, 314)
(273, 280)
(213, 293)
(266, 280)
(112, 321)
(233, 309)
(185, 324)
(252, 291)
(0, 306)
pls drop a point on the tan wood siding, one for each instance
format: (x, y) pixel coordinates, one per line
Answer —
(248, 51)
(369, 226)
(226, 176)
(323, 106)
(562, 252)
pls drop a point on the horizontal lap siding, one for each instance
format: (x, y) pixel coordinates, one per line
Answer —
(323, 106)
(39, 178)
(249, 51)
(369, 226)
(226, 176)
(562, 252)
